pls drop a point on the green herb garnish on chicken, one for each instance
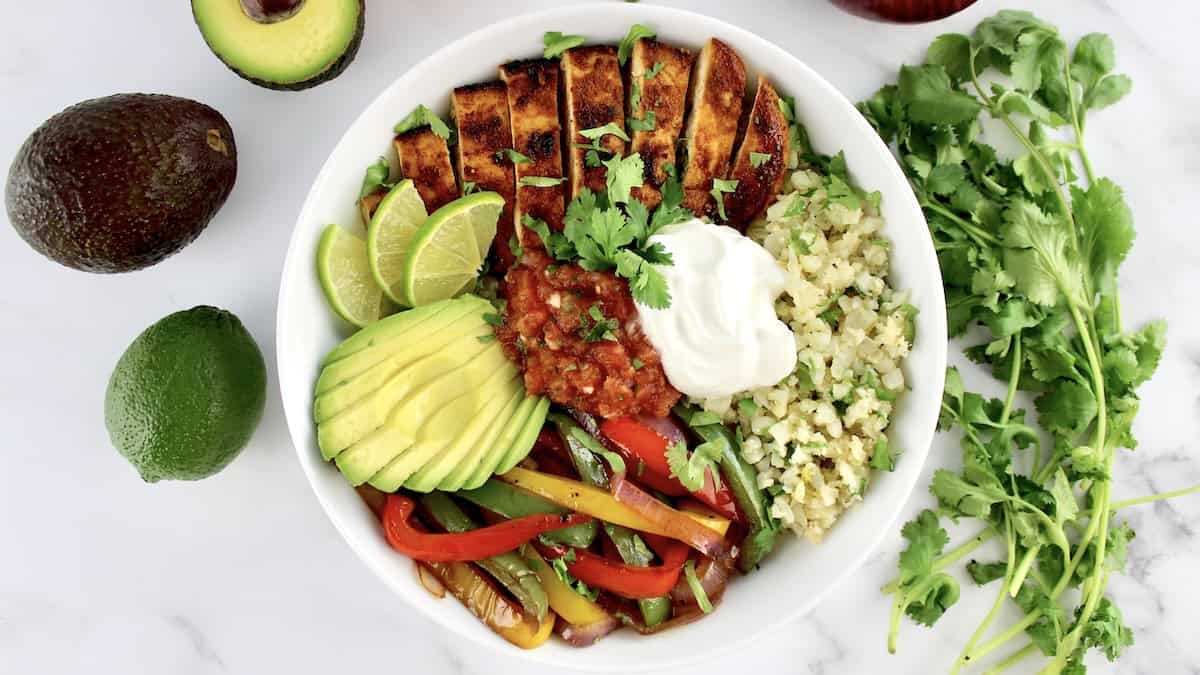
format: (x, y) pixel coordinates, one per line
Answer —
(1029, 250)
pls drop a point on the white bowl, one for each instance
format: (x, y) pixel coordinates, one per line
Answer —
(798, 575)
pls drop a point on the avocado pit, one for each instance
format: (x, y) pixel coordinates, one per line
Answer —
(270, 11)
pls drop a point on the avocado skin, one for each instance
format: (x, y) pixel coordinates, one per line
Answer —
(329, 73)
(119, 183)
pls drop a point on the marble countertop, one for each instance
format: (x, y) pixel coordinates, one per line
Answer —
(242, 573)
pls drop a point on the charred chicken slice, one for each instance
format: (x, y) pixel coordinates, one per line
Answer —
(480, 113)
(761, 160)
(718, 87)
(368, 204)
(533, 113)
(658, 84)
(425, 159)
(594, 97)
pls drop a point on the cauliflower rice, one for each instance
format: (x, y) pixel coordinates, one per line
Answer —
(813, 435)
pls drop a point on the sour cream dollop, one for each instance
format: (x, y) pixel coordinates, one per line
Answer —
(720, 335)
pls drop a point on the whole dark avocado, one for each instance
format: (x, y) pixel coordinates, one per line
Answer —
(282, 44)
(118, 183)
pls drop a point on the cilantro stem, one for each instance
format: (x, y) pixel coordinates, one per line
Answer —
(973, 230)
(1116, 506)
(1014, 377)
(1078, 122)
(1012, 660)
(964, 657)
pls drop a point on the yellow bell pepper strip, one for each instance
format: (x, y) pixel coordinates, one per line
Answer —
(502, 615)
(598, 503)
(571, 606)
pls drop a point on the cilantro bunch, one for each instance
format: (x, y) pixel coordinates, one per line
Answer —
(1029, 250)
(611, 230)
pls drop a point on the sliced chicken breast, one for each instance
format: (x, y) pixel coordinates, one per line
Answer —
(425, 159)
(594, 96)
(658, 84)
(480, 113)
(760, 164)
(718, 87)
(536, 133)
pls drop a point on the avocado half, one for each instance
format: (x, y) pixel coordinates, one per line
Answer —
(282, 44)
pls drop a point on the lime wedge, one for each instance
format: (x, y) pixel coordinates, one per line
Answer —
(448, 251)
(389, 234)
(346, 278)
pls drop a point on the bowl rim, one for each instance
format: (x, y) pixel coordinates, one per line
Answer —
(636, 13)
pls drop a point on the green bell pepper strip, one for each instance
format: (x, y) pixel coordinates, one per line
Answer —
(743, 482)
(511, 502)
(629, 545)
(508, 568)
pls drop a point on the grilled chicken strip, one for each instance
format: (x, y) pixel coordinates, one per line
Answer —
(480, 113)
(719, 85)
(665, 95)
(533, 112)
(425, 159)
(368, 204)
(766, 134)
(595, 96)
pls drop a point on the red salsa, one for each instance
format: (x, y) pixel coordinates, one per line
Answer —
(576, 336)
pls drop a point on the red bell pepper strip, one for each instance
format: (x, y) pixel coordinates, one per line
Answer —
(628, 581)
(650, 447)
(477, 544)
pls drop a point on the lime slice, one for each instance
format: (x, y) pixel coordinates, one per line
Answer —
(346, 278)
(389, 234)
(448, 251)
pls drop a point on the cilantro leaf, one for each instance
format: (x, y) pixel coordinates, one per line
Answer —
(422, 116)
(721, 187)
(929, 96)
(690, 469)
(596, 133)
(757, 159)
(556, 43)
(985, 573)
(512, 156)
(375, 177)
(648, 123)
(622, 175)
(636, 32)
(883, 457)
(654, 70)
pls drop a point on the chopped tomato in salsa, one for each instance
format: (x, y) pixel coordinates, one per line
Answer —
(576, 335)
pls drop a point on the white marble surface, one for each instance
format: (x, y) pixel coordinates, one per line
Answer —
(241, 573)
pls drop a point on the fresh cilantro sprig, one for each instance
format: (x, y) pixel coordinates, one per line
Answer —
(419, 117)
(611, 231)
(720, 188)
(1029, 249)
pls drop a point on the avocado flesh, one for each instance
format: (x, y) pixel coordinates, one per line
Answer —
(345, 370)
(383, 330)
(461, 470)
(499, 449)
(312, 46)
(426, 424)
(430, 337)
(374, 450)
(524, 441)
(479, 422)
(367, 418)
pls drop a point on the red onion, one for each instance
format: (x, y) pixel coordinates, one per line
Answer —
(666, 427)
(713, 575)
(430, 582)
(587, 635)
(672, 523)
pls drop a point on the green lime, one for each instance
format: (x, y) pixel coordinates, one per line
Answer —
(185, 397)
(399, 216)
(346, 278)
(448, 251)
